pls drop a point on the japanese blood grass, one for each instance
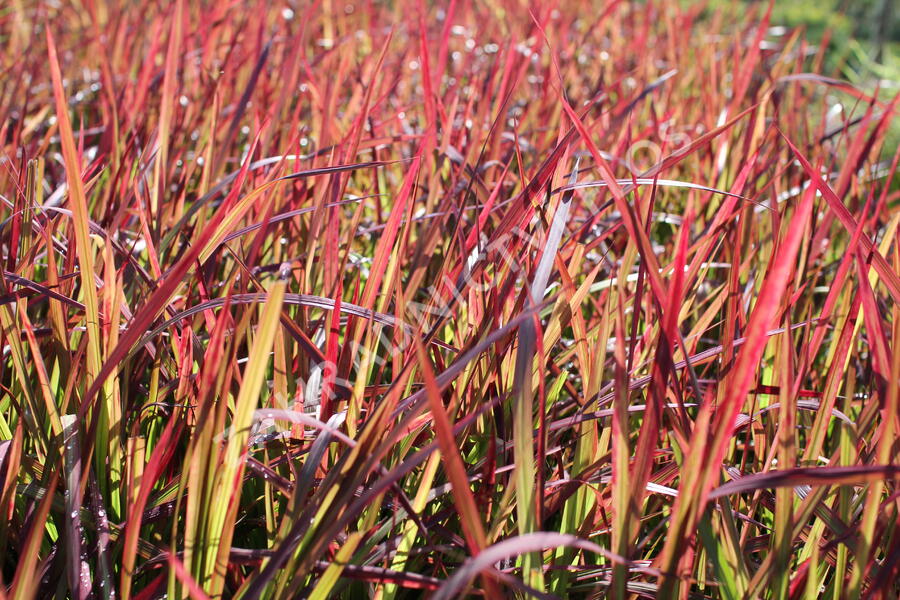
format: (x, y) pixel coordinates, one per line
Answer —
(383, 299)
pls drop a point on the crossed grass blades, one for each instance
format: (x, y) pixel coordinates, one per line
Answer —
(360, 300)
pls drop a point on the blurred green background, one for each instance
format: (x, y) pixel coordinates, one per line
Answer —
(865, 34)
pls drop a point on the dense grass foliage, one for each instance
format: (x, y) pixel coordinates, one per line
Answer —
(340, 299)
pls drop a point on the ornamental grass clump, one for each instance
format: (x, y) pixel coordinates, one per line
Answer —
(352, 299)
